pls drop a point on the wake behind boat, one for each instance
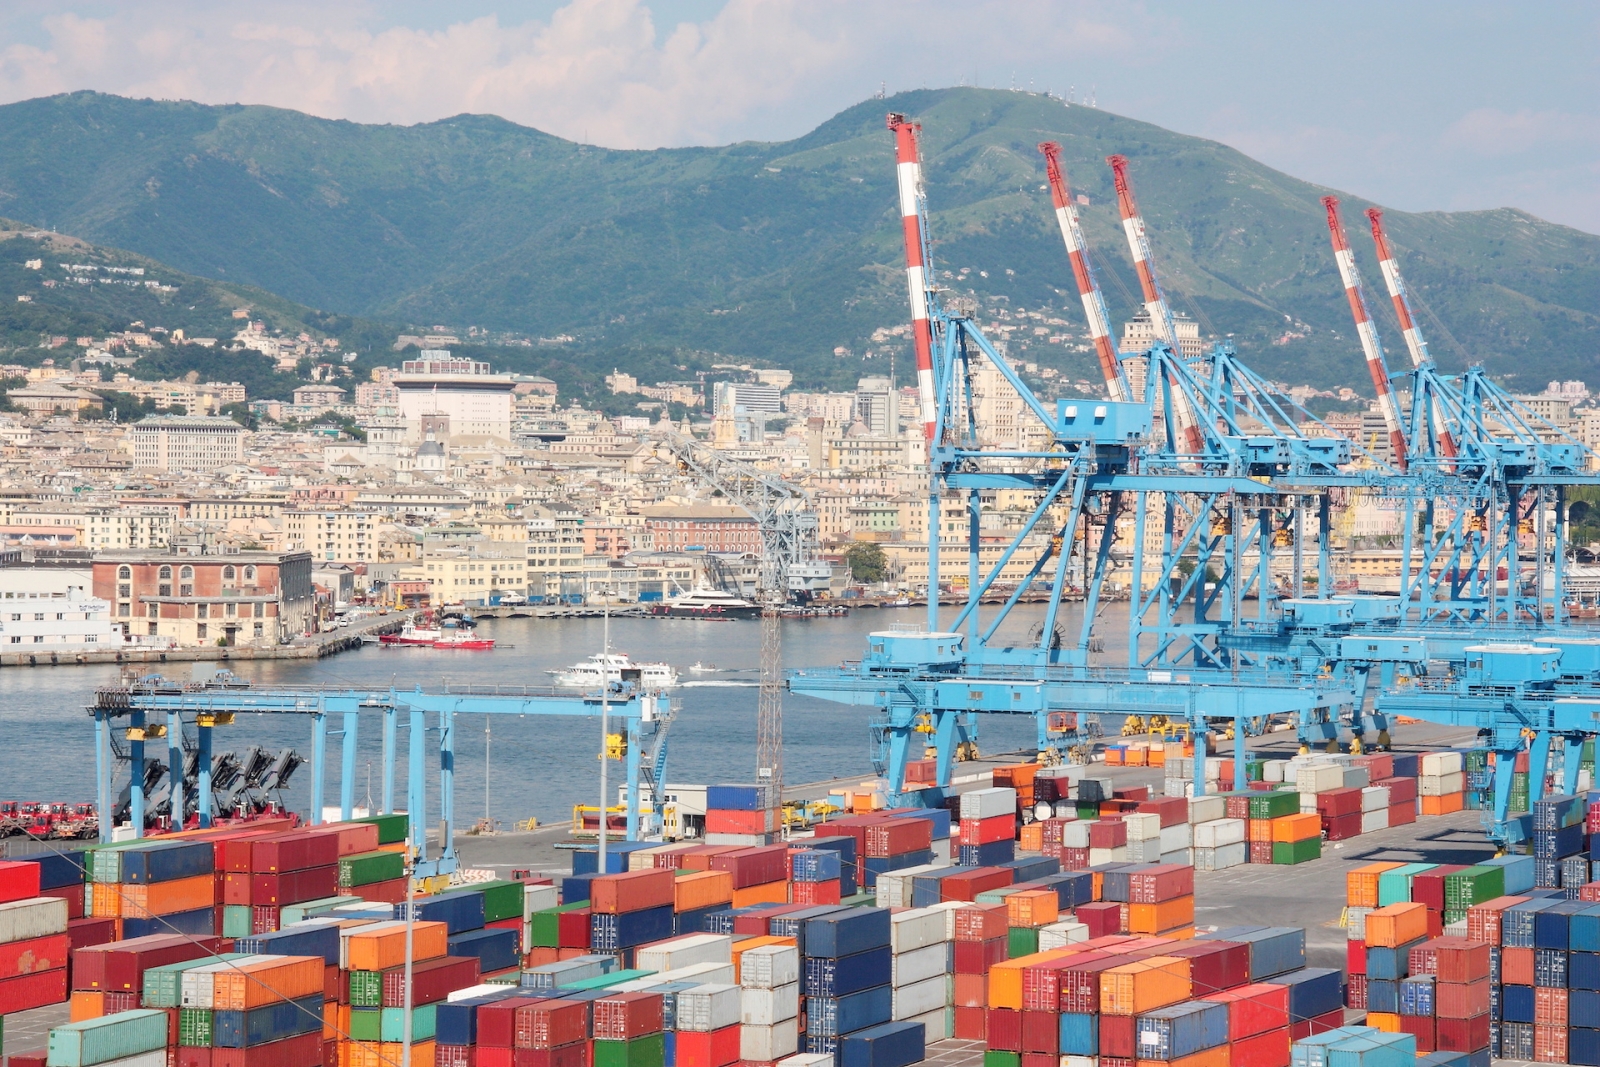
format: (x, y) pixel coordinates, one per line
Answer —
(615, 667)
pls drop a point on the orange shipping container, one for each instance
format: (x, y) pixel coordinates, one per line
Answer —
(1445, 805)
(1211, 1057)
(1135, 988)
(1033, 907)
(1114, 756)
(1388, 1022)
(1297, 827)
(255, 985)
(379, 950)
(387, 1053)
(1259, 830)
(740, 947)
(169, 898)
(105, 902)
(1361, 884)
(331, 1020)
(86, 1005)
(1158, 756)
(766, 893)
(1136, 757)
(1005, 978)
(1159, 918)
(1396, 925)
(702, 889)
(1031, 839)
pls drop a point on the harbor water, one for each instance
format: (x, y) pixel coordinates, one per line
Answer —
(538, 766)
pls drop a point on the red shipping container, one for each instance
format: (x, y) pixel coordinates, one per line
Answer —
(27, 991)
(971, 990)
(32, 956)
(1174, 811)
(1074, 859)
(1483, 920)
(497, 1022)
(1236, 807)
(81, 933)
(546, 1024)
(971, 882)
(264, 917)
(354, 837)
(431, 980)
(615, 894)
(120, 1002)
(494, 1057)
(1261, 852)
(1462, 1035)
(19, 881)
(1033, 1059)
(981, 922)
(448, 1056)
(186, 1057)
(985, 831)
(290, 1052)
(1422, 1028)
(1214, 965)
(1549, 1007)
(332, 984)
(573, 1055)
(1379, 765)
(625, 1016)
(1138, 794)
(1355, 957)
(1428, 887)
(1516, 966)
(715, 1049)
(1320, 1025)
(120, 965)
(727, 821)
(1356, 992)
(1080, 984)
(1550, 1044)
(1163, 882)
(1460, 960)
(1403, 814)
(672, 857)
(749, 866)
(1338, 802)
(1270, 1049)
(1005, 1029)
(1041, 1031)
(814, 893)
(72, 894)
(1108, 833)
(1118, 1035)
(970, 1024)
(294, 886)
(976, 957)
(236, 888)
(391, 892)
(281, 853)
(1341, 827)
(896, 837)
(1254, 1009)
(572, 929)
(1103, 918)
(1400, 789)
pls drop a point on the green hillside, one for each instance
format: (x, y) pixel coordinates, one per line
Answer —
(775, 252)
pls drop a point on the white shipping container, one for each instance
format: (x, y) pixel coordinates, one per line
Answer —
(808, 1059)
(1435, 764)
(919, 964)
(702, 973)
(1076, 834)
(1144, 851)
(678, 952)
(1456, 929)
(708, 1007)
(1182, 767)
(1272, 770)
(1176, 787)
(742, 840)
(1356, 923)
(1375, 798)
(1183, 857)
(480, 990)
(1142, 825)
(764, 1007)
(919, 998)
(1374, 820)
(768, 967)
(987, 803)
(1438, 785)
(157, 1058)
(893, 888)
(1357, 778)
(1218, 832)
(936, 1025)
(941, 852)
(1061, 934)
(1207, 809)
(1222, 857)
(644, 859)
(1175, 837)
(918, 928)
(1079, 1061)
(949, 908)
(1098, 856)
(763, 1044)
(23, 920)
(1308, 803)
(539, 898)
(197, 985)
(1319, 778)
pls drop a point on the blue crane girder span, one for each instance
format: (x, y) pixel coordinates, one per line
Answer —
(639, 713)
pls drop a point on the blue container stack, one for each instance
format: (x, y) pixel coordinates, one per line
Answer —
(1558, 824)
(844, 951)
(845, 847)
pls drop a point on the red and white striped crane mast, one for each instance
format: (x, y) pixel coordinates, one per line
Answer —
(919, 280)
(1367, 330)
(1094, 303)
(1155, 302)
(1415, 343)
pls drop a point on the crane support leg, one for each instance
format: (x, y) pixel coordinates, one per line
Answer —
(319, 765)
(102, 774)
(1538, 765)
(634, 743)
(347, 765)
(175, 769)
(136, 720)
(1240, 774)
(447, 792)
(1505, 766)
(944, 740)
(1571, 754)
(203, 776)
(417, 786)
(390, 744)
(899, 743)
(1198, 736)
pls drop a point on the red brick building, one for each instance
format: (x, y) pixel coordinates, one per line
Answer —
(702, 527)
(248, 599)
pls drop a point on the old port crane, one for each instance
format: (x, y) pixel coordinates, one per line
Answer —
(153, 708)
(1229, 486)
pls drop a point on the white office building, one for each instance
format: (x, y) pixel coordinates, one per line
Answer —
(453, 398)
(46, 623)
(187, 442)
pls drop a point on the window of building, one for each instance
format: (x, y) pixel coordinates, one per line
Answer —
(38, 616)
(38, 639)
(230, 610)
(261, 610)
(124, 589)
(186, 572)
(16, 640)
(186, 589)
(155, 629)
(165, 574)
(228, 573)
(200, 631)
(259, 630)
(153, 610)
(202, 611)
(124, 572)
(249, 574)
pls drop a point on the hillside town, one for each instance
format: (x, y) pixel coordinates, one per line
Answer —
(443, 482)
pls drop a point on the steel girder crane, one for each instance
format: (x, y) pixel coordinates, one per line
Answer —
(205, 707)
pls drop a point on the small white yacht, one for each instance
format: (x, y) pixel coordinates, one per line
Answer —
(704, 602)
(615, 667)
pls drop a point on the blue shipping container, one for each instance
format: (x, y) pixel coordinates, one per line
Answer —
(1516, 1041)
(873, 866)
(827, 977)
(1274, 950)
(890, 1045)
(925, 887)
(1383, 995)
(793, 924)
(1516, 1003)
(990, 855)
(692, 922)
(1080, 1034)
(1416, 995)
(1583, 1004)
(575, 888)
(1558, 812)
(1550, 968)
(832, 1016)
(613, 933)
(1553, 845)
(586, 860)
(168, 862)
(844, 933)
(736, 798)
(261, 1026)
(1116, 883)
(1181, 1030)
(1518, 922)
(1583, 1046)
(496, 950)
(1072, 888)
(457, 1023)
(1583, 930)
(1391, 964)
(1583, 972)
(564, 972)
(459, 911)
(1518, 872)
(1031, 867)
(302, 939)
(814, 865)
(57, 870)
(199, 921)
(1313, 991)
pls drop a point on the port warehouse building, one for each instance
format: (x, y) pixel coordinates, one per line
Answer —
(246, 599)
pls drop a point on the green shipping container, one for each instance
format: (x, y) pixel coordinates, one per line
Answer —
(993, 1058)
(1021, 941)
(544, 928)
(1394, 887)
(424, 1023)
(366, 1024)
(605, 981)
(1088, 811)
(1255, 770)
(860, 900)
(368, 868)
(236, 920)
(194, 1027)
(391, 828)
(111, 1037)
(998, 896)
(1473, 886)
(366, 989)
(1274, 805)
(501, 900)
(1292, 852)
(163, 986)
(647, 1051)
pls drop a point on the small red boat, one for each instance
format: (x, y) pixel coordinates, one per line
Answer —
(463, 639)
(412, 635)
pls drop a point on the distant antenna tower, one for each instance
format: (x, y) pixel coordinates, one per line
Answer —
(1072, 95)
(1094, 97)
(883, 90)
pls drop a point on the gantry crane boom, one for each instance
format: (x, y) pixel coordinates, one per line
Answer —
(1367, 331)
(1094, 302)
(1415, 343)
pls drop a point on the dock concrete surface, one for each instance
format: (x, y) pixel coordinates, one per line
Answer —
(317, 646)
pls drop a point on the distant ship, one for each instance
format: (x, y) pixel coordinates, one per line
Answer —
(615, 667)
(412, 635)
(706, 603)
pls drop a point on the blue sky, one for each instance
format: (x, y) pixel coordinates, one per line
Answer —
(1421, 106)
